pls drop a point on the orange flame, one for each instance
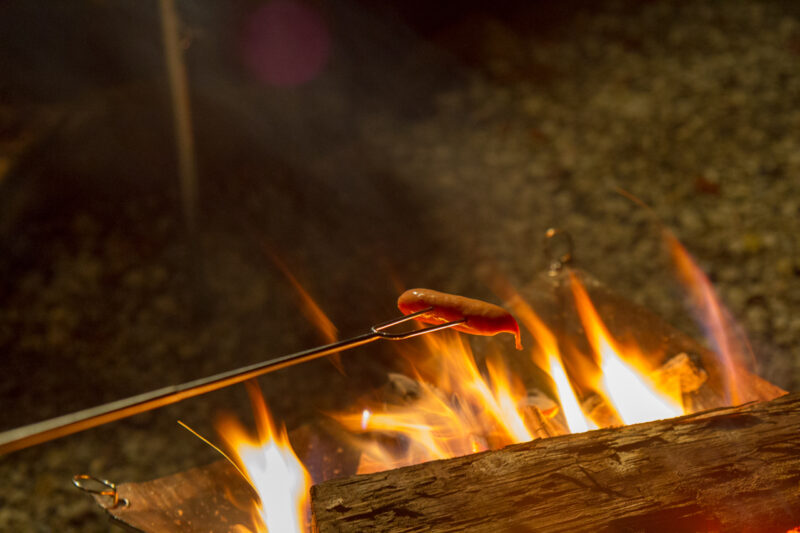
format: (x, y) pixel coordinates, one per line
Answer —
(310, 307)
(625, 389)
(728, 343)
(272, 468)
(312, 311)
(458, 411)
(576, 421)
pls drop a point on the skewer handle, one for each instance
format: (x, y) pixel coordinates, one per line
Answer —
(40, 432)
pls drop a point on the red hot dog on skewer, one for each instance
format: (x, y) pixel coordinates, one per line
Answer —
(480, 318)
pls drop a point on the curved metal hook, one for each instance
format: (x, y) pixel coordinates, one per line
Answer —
(110, 490)
(379, 329)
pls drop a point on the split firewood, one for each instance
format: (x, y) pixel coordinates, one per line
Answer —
(542, 402)
(598, 411)
(401, 389)
(551, 298)
(542, 415)
(679, 375)
(730, 469)
(541, 425)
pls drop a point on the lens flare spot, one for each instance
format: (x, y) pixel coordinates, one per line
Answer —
(286, 43)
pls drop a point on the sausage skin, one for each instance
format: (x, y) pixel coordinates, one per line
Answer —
(481, 318)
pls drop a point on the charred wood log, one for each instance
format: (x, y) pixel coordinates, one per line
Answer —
(731, 469)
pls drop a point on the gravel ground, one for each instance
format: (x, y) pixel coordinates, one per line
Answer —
(426, 155)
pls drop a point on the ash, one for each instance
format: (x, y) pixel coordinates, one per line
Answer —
(432, 149)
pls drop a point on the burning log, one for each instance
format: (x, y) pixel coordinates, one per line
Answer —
(681, 374)
(730, 469)
(678, 375)
(551, 297)
(216, 497)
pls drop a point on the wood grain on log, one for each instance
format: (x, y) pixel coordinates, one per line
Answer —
(731, 469)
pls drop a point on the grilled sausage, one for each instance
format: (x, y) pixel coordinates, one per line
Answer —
(481, 318)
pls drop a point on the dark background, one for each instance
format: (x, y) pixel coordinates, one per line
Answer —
(436, 145)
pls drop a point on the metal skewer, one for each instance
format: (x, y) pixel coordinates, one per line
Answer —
(37, 433)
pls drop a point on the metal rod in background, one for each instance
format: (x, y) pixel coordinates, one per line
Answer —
(40, 432)
(181, 111)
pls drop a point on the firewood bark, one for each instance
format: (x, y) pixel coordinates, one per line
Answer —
(731, 469)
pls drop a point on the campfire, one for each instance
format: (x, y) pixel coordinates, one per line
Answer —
(607, 418)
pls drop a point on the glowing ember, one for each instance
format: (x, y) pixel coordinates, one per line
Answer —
(625, 389)
(272, 468)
